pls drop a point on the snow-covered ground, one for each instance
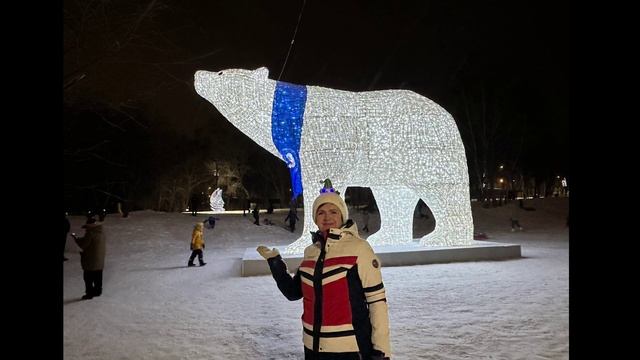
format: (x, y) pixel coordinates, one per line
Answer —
(154, 307)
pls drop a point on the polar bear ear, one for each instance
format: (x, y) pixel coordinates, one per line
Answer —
(261, 73)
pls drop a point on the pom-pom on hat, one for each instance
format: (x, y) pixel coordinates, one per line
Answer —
(329, 195)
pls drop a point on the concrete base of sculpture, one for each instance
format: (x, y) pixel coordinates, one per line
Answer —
(405, 255)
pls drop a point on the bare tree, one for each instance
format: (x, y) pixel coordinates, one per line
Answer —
(230, 174)
(176, 186)
(488, 130)
(480, 131)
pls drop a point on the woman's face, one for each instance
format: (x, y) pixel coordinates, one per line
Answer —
(328, 216)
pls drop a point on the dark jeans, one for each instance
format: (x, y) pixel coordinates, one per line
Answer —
(92, 282)
(197, 252)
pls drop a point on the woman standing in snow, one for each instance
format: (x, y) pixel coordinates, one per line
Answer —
(92, 257)
(345, 312)
(197, 244)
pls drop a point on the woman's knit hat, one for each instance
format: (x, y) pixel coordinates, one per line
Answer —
(329, 195)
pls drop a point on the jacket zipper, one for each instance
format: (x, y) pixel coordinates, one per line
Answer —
(317, 288)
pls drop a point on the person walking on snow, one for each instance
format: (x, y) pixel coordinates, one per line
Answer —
(197, 244)
(292, 217)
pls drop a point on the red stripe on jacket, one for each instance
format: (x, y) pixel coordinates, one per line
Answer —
(336, 307)
(308, 263)
(308, 297)
(341, 260)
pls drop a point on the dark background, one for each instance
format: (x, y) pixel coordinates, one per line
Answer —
(134, 125)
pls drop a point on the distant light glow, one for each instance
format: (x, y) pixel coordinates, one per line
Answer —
(402, 145)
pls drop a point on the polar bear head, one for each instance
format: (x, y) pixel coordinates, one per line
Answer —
(244, 97)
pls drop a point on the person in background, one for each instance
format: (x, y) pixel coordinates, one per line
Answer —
(345, 313)
(292, 217)
(210, 222)
(256, 215)
(194, 203)
(197, 244)
(365, 219)
(516, 211)
(92, 257)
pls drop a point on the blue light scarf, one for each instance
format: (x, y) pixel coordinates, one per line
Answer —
(287, 117)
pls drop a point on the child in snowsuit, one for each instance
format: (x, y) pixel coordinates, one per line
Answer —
(197, 244)
(210, 222)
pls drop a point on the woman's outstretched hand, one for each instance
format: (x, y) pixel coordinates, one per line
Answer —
(267, 253)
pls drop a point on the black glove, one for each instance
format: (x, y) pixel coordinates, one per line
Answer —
(203, 246)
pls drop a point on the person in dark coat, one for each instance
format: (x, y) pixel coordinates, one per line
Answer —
(92, 257)
(194, 203)
(210, 222)
(292, 217)
(67, 227)
(256, 215)
(365, 219)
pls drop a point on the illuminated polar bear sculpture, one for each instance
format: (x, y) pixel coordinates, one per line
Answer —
(400, 144)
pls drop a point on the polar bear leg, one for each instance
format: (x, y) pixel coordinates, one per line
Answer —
(396, 205)
(451, 208)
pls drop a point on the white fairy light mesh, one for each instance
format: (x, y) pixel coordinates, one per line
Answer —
(216, 202)
(402, 145)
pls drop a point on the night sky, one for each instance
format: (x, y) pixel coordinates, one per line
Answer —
(128, 73)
